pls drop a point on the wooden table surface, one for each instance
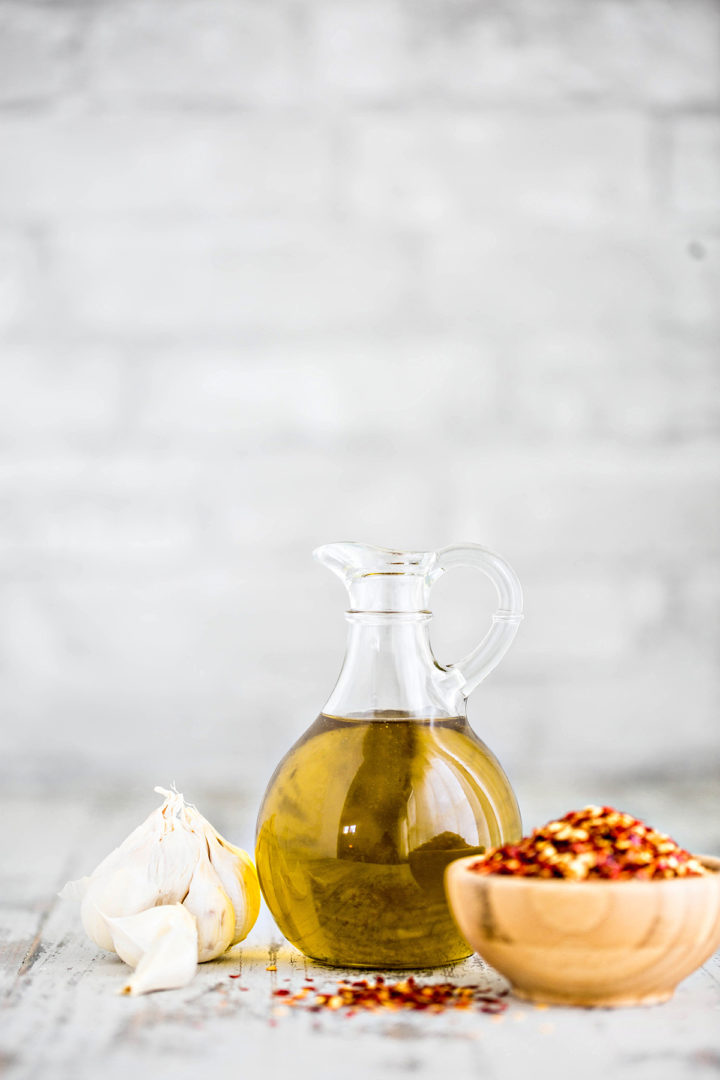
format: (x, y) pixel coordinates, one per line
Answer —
(61, 1016)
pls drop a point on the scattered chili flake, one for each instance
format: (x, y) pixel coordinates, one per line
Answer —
(595, 842)
(234, 976)
(406, 994)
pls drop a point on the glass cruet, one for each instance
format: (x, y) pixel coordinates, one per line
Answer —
(390, 783)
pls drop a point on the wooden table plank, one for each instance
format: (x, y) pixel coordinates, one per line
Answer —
(66, 1020)
(62, 1018)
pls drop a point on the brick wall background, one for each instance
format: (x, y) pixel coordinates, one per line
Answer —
(409, 271)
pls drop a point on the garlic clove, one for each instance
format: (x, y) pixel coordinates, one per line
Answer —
(239, 879)
(236, 871)
(211, 906)
(134, 935)
(172, 859)
(169, 963)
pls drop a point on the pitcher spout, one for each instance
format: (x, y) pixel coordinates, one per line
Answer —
(380, 579)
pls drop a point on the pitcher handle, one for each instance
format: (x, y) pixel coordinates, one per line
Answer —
(478, 663)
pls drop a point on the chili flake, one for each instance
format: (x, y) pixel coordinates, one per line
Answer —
(595, 842)
(406, 994)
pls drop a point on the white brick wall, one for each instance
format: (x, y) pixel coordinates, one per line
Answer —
(38, 52)
(413, 272)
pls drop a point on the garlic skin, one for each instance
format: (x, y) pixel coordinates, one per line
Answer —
(125, 890)
(148, 830)
(171, 960)
(211, 906)
(134, 935)
(75, 890)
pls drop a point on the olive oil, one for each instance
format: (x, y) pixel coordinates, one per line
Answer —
(357, 826)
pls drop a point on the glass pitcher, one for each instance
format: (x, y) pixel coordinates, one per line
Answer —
(390, 783)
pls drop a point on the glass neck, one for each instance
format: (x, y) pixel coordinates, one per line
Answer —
(389, 670)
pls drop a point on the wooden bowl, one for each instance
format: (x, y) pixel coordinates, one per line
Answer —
(590, 942)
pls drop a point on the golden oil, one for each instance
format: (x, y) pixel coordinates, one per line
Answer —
(356, 828)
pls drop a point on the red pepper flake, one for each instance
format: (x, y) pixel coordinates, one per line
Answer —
(595, 842)
(234, 976)
(405, 994)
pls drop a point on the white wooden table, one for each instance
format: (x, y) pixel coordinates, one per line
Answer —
(61, 1016)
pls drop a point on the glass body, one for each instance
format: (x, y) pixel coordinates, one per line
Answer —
(358, 824)
(386, 787)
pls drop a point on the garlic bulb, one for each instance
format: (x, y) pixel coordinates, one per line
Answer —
(174, 860)
(152, 866)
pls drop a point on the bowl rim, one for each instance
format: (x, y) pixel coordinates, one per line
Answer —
(459, 866)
